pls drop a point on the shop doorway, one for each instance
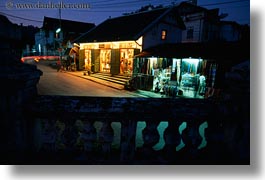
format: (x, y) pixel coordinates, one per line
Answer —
(105, 57)
(126, 61)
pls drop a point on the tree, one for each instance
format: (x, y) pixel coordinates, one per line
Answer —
(145, 8)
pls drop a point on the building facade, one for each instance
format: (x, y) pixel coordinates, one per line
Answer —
(196, 66)
(190, 77)
(10, 34)
(180, 50)
(206, 25)
(195, 70)
(16, 38)
(56, 35)
(112, 45)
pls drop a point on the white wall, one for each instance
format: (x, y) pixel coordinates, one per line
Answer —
(196, 22)
(43, 40)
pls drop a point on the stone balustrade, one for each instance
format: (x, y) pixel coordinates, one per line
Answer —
(106, 130)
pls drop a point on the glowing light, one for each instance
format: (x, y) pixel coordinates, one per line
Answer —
(39, 48)
(58, 30)
(191, 60)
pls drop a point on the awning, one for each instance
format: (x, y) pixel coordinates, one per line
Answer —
(219, 50)
(144, 54)
(74, 50)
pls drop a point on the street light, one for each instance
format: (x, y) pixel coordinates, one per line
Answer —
(60, 45)
(58, 30)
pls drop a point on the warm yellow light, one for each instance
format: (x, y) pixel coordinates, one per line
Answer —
(113, 45)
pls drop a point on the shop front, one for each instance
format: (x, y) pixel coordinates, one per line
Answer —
(186, 77)
(126, 61)
(109, 57)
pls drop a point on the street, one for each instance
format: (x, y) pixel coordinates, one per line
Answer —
(62, 83)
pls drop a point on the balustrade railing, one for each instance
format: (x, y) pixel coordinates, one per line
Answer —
(93, 130)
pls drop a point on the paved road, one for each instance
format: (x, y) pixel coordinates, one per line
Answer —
(62, 83)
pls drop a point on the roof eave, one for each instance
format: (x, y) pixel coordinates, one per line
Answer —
(137, 36)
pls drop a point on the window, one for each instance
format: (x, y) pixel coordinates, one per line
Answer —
(164, 34)
(190, 33)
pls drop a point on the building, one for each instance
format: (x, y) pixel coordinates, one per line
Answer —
(16, 37)
(112, 45)
(179, 67)
(196, 66)
(182, 50)
(230, 31)
(206, 25)
(56, 35)
(10, 34)
(28, 39)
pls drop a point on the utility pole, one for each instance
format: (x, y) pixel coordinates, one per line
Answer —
(60, 32)
(60, 17)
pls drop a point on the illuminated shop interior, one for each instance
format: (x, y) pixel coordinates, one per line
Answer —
(172, 76)
(111, 57)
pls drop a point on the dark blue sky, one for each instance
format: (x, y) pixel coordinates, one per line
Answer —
(100, 10)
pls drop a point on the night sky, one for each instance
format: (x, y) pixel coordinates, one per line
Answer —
(100, 10)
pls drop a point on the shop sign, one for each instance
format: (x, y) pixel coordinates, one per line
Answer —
(101, 46)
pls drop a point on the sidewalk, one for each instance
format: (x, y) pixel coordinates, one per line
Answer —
(142, 93)
(100, 81)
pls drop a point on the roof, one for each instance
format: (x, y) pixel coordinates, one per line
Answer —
(128, 27)
(187, 8)
(232, 23)
(4, 19)
(66, 25)
(224, 51)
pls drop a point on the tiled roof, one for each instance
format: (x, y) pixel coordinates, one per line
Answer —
(128, 27)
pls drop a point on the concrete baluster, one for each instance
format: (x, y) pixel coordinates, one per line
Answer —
(151, 138)
(88, 136)
(172, 139)
(128, 136)
(106, 135)
(192, 139)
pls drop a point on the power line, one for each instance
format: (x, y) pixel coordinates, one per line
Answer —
(93, 11)
(126, 4)
(228, 2)
(98, 2)
(131, 4)
(119, 7)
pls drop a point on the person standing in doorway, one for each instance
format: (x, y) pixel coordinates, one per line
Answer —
(122, 65)
(202, 84)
